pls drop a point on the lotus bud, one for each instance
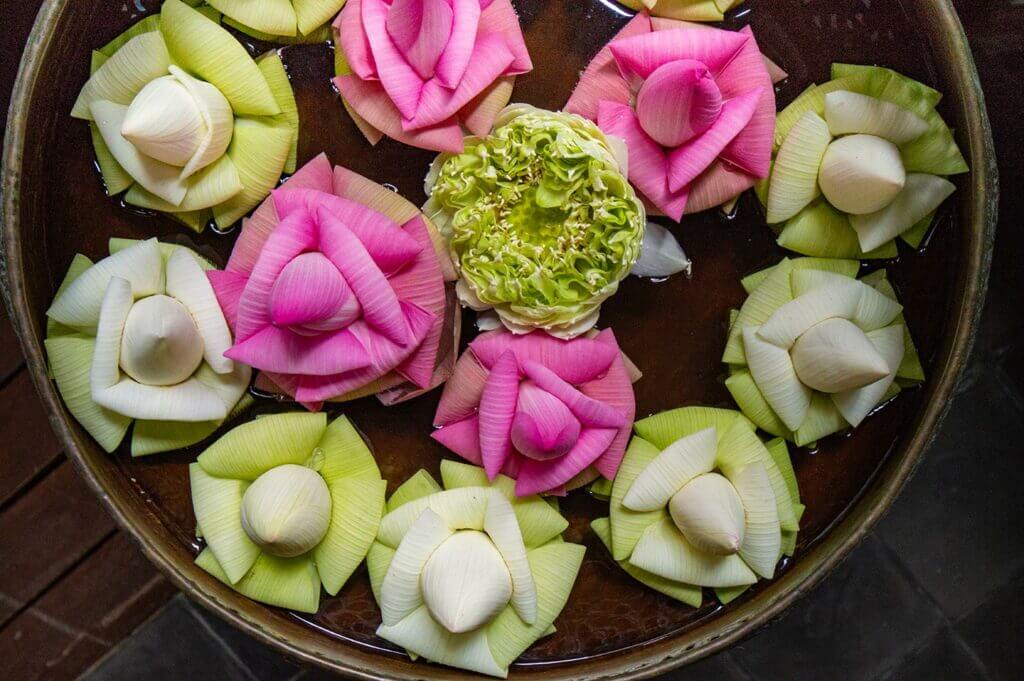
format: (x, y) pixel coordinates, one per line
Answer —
(835, 356)
(861, 174)
(287, 510)
(709, 513)
(164, 122)
(465, 582)
(679, 101)
(160, 344)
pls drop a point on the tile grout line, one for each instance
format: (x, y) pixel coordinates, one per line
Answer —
(118, 645)
(219, 640)
(34, 480)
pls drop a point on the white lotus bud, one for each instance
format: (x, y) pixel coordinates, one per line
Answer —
(465, 582)
(835, 356)
(851, 112)
(861, 174)
(164, 122)
(160, 344)
(709, 513)
(287, 510)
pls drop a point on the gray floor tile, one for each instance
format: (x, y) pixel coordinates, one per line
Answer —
(995, 631)
(865, 618)
(953, 526)
(265, 663)
(944, 658)
(720, 667)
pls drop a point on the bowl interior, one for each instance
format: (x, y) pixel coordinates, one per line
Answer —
(675, 330)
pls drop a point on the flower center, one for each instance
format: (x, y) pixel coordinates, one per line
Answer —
(709, 513)
(835, 356)
(160, 344)
(287, 510)
(465, 582)
(420, 29)
(311, 296)
(543, 427)
(679, 101)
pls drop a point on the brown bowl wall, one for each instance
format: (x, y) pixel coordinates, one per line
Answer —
(53, 206)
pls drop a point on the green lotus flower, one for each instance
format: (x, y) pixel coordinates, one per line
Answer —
(685, 10)
(280, 21)
(286, 503)
(186, 121)
(470, 576)
(539, 218)
(700, 501)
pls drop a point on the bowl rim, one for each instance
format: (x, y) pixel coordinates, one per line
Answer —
(653, 657)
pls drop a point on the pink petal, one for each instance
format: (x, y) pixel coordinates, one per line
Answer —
(378, 300)
(314, 175)
(639, 56)
(751, 150)
(583, 479)
(543, 427)
(777, 73)
(456, 54)
(497, 410)
(462, 392)
(437, 103)
(576, 361)
(478, 116)
(616, 390)
(400, 80)
(372, 134)
(648, 167)
(281, 350)
(291, 237)
(678, 102)
(420, 30)
(310, 289)
(463, 438)
(282, 384)
(365, 192)
(688, 161)
(589, 411)
(500, 17)
(371, 102)
(228, 287)
(720, 183)
(353, 40)
(539, 476)
(448, 329)
(601, 81)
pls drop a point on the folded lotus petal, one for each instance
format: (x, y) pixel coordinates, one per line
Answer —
(421, 29)
(311, 289)
(751, 150)
(543, 427)
(497, 410)
(380, 305)
(282, 350)
(291, 237)
(689, 160)
(437, 103)
(648, 167)
(589, 411)
(399, 79)
(371, 102)
(776, 72)
(639, 56)
(372, 134)
(457, 50)
(614, 389)
(576, 361)
(678, 102)
(392, 205)
(479, 115)
(462, 392)
(500, 17)
(462, 437)
(601, 81)
(354, 40)
(314, 175)
(719, 183)
(228, 287)
(539, 476)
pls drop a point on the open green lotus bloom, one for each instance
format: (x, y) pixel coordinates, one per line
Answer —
(470, 575)
(540, 219)
(701, 501)
(185, 122)
(859, 161)
(285, 504)
(139, 337)
(814, 350)
(281, 21)
(687, 10)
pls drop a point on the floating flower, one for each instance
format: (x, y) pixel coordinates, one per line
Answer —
(538, 409)
(419, 71)
(539, 218)
(286, 503)
(186, 121)
(694, 104)
(138, 336)
(470, 576)
(334, 290)
(813, 350)
(859, 161)
(700, 501)
(284, 21)
(686, 10)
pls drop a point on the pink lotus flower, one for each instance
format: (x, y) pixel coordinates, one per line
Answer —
(419, 70)
(539, 409)
(694, 104)
(334, 290)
